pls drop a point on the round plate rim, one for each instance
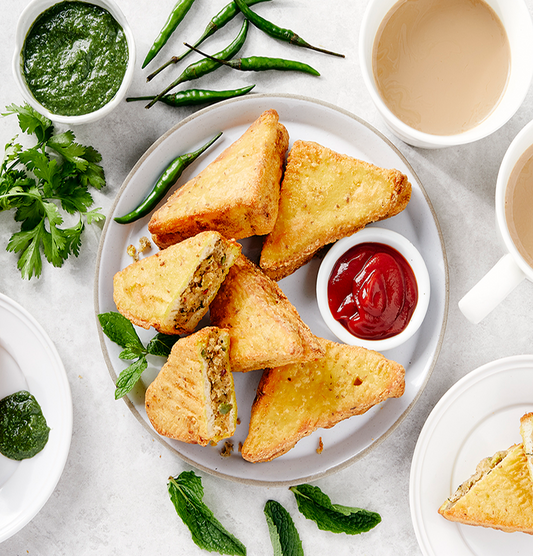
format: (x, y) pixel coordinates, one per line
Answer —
(146, 154)
(67, 423)
(439, 411)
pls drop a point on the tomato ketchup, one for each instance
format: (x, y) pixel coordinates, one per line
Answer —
(372, 291)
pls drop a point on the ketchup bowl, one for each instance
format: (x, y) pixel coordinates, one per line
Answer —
(373, 289)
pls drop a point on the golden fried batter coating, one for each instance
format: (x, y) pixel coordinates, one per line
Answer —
(295, 400)
(499, 495)
(326, 196)
(265, 328)
(237, 194)
(172, 289)
(192, 399)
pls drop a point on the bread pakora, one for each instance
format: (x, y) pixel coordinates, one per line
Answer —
(324, 197)
(265, 328)
(192, 399)
(499, 494)
(171, 290)
(293, 401)
(237, 194)
(526, 430)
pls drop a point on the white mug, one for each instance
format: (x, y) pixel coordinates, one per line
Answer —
(512, 268)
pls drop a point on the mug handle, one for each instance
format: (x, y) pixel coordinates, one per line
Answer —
(492, 289)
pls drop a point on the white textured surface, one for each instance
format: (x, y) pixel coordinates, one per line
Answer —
(112, 496)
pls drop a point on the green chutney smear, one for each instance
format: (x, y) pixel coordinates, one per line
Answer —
(74, 58)
(23, 428)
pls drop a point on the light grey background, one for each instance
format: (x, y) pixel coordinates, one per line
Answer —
(111, 498)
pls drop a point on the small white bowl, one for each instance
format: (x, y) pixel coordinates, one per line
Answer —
(26, 20)
(404, 247)
(516, 20)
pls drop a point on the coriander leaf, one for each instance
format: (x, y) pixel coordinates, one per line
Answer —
(39, 181)
(186, 493)
(129, 376)
(27, 243)
(317, 506)
(119, 329)
(161, 344)
(283, 533)
(64, 144)
(30, 121)
(94, 216)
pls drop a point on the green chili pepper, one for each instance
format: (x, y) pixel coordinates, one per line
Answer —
(192, 97)
(204, 66)
(262, 63)
(174, 19)
(164, 183)
(277, 32)
(224, 16)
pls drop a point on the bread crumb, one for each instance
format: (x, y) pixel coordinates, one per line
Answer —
(320, 448)
(227, 449)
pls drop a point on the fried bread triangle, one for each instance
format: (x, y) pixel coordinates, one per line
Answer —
(171, 290)
(265, 328)
(295, 400)
(499, 494)
(192, 399)
(236, 195)
(324, 197)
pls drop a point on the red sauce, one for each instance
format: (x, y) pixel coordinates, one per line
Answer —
(372, 291)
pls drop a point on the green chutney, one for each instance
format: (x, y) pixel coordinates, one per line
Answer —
(74, 58)
(23, 428)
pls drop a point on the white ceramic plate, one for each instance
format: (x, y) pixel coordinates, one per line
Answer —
(29, 360)
(310, 120)
(477, 417)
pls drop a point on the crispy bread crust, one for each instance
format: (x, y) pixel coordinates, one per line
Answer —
(176, 401)
(147, 291)
(265, 328)
(326, 196)
(501, 499)
(526, 430)
(237, 194)
(295, 400)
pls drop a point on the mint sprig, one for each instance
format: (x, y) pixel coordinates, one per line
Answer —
(186, 493)
(283, 533)
(317, 506)
(40, 182)
(122, 332)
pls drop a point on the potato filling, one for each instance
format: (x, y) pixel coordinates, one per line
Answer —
(218, 374)
(203, 286)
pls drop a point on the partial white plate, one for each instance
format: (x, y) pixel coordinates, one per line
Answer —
(477, 417)
(30, 361)
(343, 132)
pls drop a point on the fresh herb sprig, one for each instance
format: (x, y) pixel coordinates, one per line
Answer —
(317, 506)
(37, 182)
(120, 331)
(283, 533)
(186, 493)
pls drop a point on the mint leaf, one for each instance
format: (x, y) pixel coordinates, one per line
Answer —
(119, 329)
(161, 344)
(317, 506)
(122, 332)
(186, 493)
(283, 533)
(128, 378)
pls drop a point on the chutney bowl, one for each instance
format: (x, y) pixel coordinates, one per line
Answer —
(374, 234)
(26, 20)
